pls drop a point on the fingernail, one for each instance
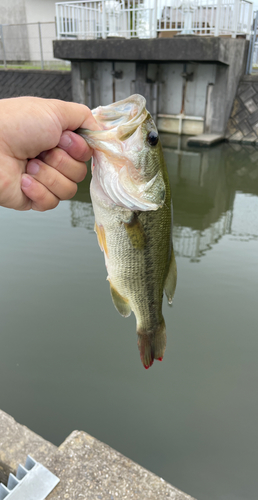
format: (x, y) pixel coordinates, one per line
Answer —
(26, 181)
(65, 141)
(32, 167)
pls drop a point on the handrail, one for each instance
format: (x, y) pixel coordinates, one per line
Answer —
(150, 18)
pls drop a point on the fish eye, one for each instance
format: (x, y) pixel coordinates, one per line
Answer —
(152, 138)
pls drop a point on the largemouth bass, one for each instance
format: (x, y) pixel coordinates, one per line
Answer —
(132, 205)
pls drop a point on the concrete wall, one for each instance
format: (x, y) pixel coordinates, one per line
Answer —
(26, 11)
(225, 87)
(43, 11)
(40, 10)
(171, 87)
(243, 123)
(13, 13)
(48, 84)
(189, 82)
(168, 77)
(22, 42)
(167, 91)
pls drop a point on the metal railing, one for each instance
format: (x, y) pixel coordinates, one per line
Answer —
(93, 19)
(28, 43)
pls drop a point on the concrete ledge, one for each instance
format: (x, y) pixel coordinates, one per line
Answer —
(180, 48)
(205, 140)
(90, 469)
(86, 467)
(16, 442)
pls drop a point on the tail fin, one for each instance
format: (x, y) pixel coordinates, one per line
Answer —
(152, 345)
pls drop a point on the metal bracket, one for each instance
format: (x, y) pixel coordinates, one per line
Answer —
(32, 482)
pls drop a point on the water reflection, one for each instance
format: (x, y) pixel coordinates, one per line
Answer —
(202, 198)
(214, 193)
(82, 214)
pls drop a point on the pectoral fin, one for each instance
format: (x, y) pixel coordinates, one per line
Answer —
(135, 231)
(100, 232)
(121, 304)
(171, 279)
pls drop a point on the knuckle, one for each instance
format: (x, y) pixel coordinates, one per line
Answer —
(56, 158)
(46, 204)
(82, 172)
(70, 191)
(51, 181)
(60, 159)
(74, 189)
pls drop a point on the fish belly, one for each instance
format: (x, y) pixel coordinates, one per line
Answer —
(137, 248)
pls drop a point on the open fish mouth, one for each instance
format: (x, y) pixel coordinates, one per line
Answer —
(118, 121)
(122, 157)
(124, 116)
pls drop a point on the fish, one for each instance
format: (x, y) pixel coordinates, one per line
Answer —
(131, 200)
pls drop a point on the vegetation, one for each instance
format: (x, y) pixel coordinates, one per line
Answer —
(56, 66)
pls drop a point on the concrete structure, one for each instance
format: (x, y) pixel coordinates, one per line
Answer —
(205, 140)
(20, 29)
(189, 81)
(48, 84)
(27, 11)
(243, 124)
(86, 467)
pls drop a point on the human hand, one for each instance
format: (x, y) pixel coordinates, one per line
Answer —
(41, 159)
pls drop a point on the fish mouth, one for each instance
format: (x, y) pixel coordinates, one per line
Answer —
(118, 121)
(125, 116)
(116, 146)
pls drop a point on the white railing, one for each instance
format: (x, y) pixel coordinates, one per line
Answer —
(102, 18)
(207, 17)
(93, 19)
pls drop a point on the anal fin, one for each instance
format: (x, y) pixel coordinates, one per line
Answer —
(171, 279)
(121, 304)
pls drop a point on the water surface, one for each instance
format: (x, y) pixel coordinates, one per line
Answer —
(69, 361)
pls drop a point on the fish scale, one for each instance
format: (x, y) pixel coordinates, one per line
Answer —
(132, 205)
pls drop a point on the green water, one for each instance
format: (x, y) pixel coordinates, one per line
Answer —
(69, 361)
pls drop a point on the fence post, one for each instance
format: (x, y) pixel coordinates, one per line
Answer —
(154, 28)
(249, 22)
(57, 22)
(2, 42)
(104, 28)
(41, 48)
(217, 18)
(236, 17)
